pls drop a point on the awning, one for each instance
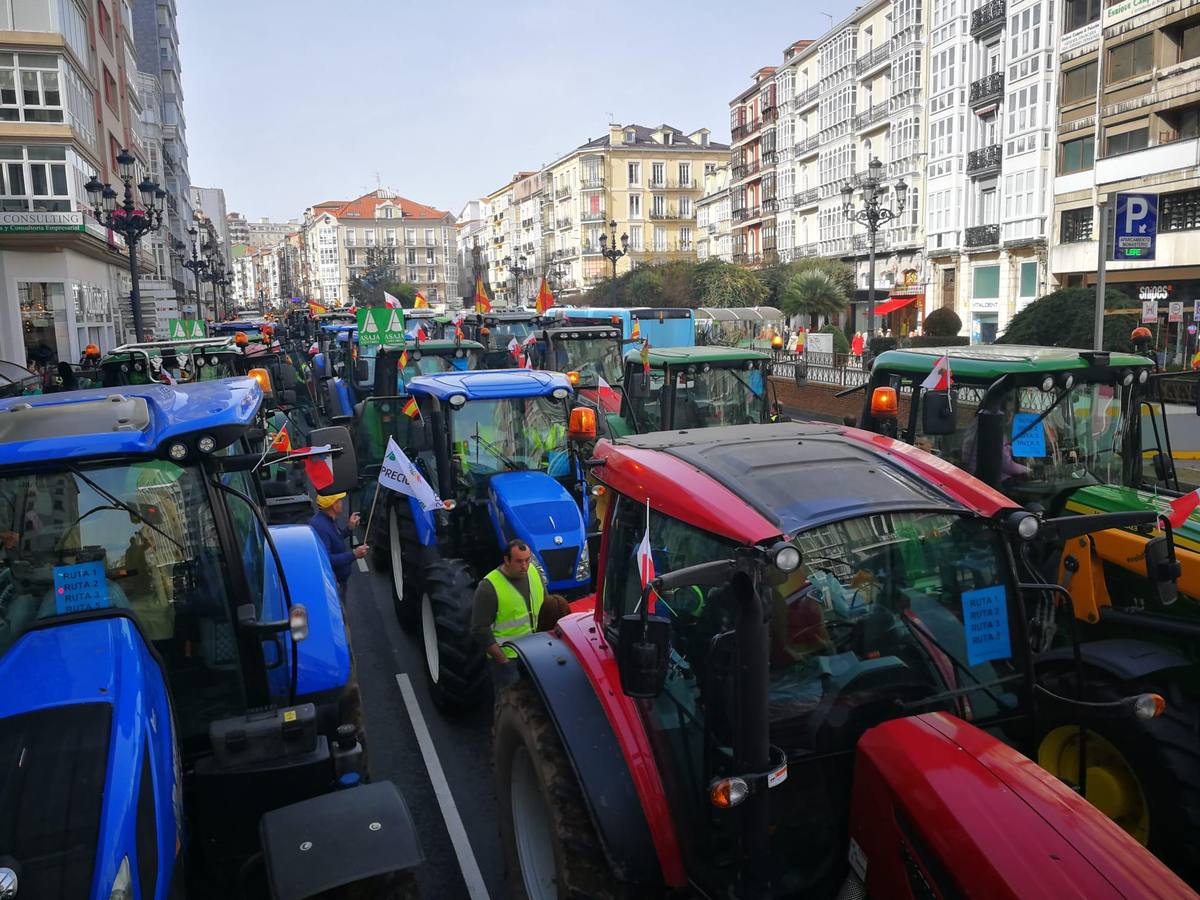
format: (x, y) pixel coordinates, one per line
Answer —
(893, 303)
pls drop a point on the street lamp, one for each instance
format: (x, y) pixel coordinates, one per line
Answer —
(518, 269)
(555, 275)
(197, 266)
(872, 214)
(128, 219)
(611, 253)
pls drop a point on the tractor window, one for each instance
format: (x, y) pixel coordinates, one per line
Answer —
(490, 436)
(720, 396)
(966, 399)
(65, 546)
(648, 410)
(592, 359)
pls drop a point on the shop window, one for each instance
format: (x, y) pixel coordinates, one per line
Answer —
(1077, 155)
(1076, 225)
(1179, 211)
(1029, 279)
(1131, 58)
(986, 284)
(44, 320)
(1127, 142)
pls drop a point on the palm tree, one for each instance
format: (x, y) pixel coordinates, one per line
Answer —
(814, 293)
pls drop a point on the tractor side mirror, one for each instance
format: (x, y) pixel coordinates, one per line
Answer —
(362, 371)
(1164, 468)
(1163, 569)
(937, 413)
(345, 464)
(643, 650)
(419, 438)
(637, 385)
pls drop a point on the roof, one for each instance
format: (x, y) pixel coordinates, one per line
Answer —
(570, 330)
(364, 207)
(644, 137)
(489, 384)
(158, 348)
(675, 356)
(756, 483)
(119, 421)
(990, 361)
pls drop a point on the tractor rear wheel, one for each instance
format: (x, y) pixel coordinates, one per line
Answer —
(549, 841)
(404, 553)
(1143, 774)
(455, 667)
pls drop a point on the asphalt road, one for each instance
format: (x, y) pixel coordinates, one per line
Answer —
(462, 746)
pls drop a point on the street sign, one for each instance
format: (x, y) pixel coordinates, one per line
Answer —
(185, 329)
(1149, 311)
(1136, 226)
(380, 325)
(1175, 311)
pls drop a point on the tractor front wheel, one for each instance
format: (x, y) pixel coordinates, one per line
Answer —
(455, 667)
(549, 841)
(405, 560)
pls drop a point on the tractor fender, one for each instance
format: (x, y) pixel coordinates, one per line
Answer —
(1124, 658)
(324, 656)
(595, 754)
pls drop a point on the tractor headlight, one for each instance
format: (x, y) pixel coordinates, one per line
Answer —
(560, 393)
(1067, 380)
(458, 401)
(1143, 376)
(206, 444)
(785, 556)
(122, 888)
(1024, 525)
(584, 568)
(1126, 377)
(1048, 383)
(178, 452)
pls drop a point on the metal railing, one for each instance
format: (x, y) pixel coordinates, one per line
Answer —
(809, 143)
(872, 59)
(988, 17)
(841, 369)
(986, 89)
(984, 160)
(808, 95)
(871, 116)
(592, 216)
(982, 236)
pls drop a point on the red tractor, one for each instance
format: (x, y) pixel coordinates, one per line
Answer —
(816, 694)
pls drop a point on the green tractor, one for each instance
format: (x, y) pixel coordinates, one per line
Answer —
(1065, 431)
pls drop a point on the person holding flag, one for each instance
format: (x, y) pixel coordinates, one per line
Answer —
(333, 536)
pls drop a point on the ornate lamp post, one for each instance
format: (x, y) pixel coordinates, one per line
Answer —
(872, 214)
(197, 265)
(518, 270)
(608, 249)
(129, 219)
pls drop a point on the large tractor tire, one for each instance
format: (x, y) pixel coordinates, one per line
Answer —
(455, 667)
(549, 841)
(403, 563)
(1143, 774)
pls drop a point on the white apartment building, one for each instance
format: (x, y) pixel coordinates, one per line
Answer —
(714, 239)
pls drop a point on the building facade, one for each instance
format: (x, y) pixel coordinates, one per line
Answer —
(1128, 107)
(470, 240)
(64, 281)
(211, 202)
(755, 199)
(237, 228)
(516, 229)
(714, 237)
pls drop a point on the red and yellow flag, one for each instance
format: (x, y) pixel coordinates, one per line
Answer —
(281, 441)
(402, 363)
(316, 309)
(636, 332)
(420, 302)
(483, 303)
(410, 408)
(545, 298)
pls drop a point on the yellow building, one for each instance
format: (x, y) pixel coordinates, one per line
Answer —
(645, 180)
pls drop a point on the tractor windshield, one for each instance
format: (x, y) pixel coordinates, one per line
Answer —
(139, 537)
(591, 358)
(430, 364)
(503, 331)
(491, 436)
(719, 396)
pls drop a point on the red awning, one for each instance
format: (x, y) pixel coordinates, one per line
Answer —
(893, 303)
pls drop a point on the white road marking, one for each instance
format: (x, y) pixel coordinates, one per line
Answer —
(441, 788)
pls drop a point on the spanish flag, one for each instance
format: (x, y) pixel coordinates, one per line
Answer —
(545, 299)
(410, 408)
(420, 302)
(402, 363)
(281, 442)
(636, 332)
(483, 303)
(316, 309)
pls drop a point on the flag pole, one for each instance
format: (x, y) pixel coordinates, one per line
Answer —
(371, 514)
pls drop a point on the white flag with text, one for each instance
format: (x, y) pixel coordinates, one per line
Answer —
(397, 473)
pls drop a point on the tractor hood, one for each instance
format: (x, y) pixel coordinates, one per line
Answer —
(75, 743)
(537, 509)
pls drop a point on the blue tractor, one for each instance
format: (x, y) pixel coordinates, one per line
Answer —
(180, 691)
(498, 446)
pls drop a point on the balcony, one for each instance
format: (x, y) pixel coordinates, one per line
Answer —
(982, 236)
(806, 97)
(987, 90)
(591, 182)
(988, 18)
(671, 215)
(770, 114)
(769, 157)
(880, 54)
(562, 193)
(984, 161)
(805, 250)
(875, 114)
(741, 132)
(740, 215)
(592, 216)
(590, 249)
(808, 146)
(563, 223)
(808, 198)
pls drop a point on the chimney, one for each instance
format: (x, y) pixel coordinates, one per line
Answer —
(615, 135)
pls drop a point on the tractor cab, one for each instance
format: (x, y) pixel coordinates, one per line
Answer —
(18, 381)
(172, 362)
(380, 366)
(496, 331)
(791, 622)
(589, 355)
(195, 661)
(697, 387)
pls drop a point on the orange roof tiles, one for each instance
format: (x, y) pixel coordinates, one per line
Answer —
(364, 207)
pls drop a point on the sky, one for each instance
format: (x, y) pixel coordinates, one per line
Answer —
(293, 102)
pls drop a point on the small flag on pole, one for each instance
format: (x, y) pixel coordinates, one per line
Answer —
(645, 561)
(636, 331)
(646, 356)
(390, 302)
(939, 379)
(397, 473)
(316, 309)
(410, 408)
(420, 302)
(319, 470)
(1183, 507)
(402, 362)
(281, 442)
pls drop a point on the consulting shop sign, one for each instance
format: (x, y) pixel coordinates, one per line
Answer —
(20, 222)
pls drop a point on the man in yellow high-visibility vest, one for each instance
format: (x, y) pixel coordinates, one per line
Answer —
(507, 602)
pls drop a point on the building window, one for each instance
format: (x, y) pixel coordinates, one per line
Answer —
(1179, 211)
(685, 174)
(685, 207)
(38, 98)
(105, 23)
(634, 170)
(1127, 142)
(685, 239)
(1079, 83)
(1077, 155)
(1029, 279)
(1076, 225)
(1187, 38)
(635, 206)
(1025, 30)
(660, 238)
(1080, 13)
(1131, 58)
(658, 174)
(635, 238)
(658, 206)
(986, 283)
(34, 178)
(110, 89)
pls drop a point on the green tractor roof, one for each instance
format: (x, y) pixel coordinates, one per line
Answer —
(990, 361)
(435, 347)
(682, 356)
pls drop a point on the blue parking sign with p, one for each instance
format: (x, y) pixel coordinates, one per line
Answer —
(1136, 226)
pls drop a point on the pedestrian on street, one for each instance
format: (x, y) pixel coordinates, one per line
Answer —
(508, 602)
(333, 536)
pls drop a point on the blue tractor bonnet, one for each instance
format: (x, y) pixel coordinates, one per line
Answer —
(132, 419)
(535, 508)
(491, 384)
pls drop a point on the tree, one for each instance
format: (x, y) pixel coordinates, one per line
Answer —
(942, 322)
(718, 283)
(379, 275)
(1064, 318)
(813, 292)
(840, 344)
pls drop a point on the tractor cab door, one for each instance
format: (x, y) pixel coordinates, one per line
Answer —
(643, 405)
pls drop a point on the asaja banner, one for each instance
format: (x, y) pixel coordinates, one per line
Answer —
(380, 325)
(185, 329)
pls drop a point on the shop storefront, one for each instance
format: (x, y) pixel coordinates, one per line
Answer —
(985, 303)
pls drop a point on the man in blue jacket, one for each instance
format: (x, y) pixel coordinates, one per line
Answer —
(333, 536)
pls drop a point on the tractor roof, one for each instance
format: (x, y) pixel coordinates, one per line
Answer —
(680, 356)
(489, 384)
(990, 361)
(754, 483)
(438, 347)
(133, 419)
(159, 348)
(577, 330)
(339, 327)
(240, 325)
